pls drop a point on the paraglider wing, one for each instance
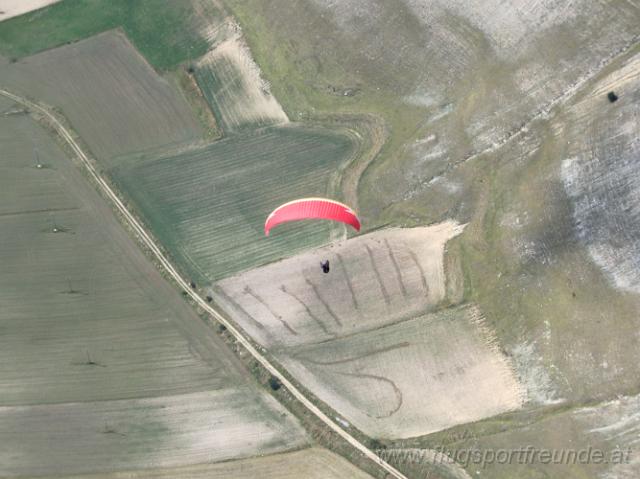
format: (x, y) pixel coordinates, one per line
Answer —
(312, 208)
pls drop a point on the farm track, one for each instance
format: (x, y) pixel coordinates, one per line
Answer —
(148, 241)
(350, 180)
(370, 135)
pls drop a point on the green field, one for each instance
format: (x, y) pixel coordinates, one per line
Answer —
(208, 205)
(163, 30)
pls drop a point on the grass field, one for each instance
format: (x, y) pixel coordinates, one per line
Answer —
(563, 317)
(600, 173)
(111, 96)
(610, 428)
(166, 32)
(469, 73)
(528, 257)
(100, 358)
(208, 205)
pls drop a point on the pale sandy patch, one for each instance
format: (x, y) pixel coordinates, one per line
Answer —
(244, 96)
(359, 338)
(13, 8)
(413, 378)
(375, 279)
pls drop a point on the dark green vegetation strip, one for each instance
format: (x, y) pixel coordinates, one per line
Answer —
(161, 29)
(208, 205)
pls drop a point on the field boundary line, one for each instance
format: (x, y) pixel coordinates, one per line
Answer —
(171, 270)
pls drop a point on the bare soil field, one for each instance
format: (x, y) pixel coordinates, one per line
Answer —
(99, 356)
(357, 337)
(376, 279)
(412, 378)
(313, 463)
(109, 93)
(232, 83)
(13, 8)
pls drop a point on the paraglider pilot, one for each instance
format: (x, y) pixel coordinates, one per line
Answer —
(325, 266)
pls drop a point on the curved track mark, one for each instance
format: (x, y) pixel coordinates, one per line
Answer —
(388, 381)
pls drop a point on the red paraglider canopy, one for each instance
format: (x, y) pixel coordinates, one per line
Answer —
(311, 208)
